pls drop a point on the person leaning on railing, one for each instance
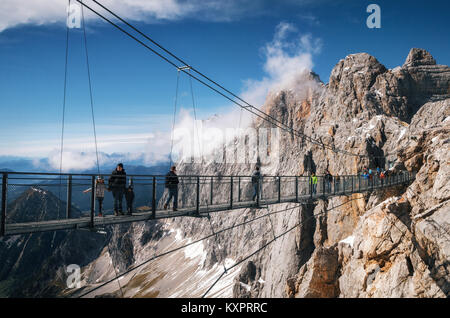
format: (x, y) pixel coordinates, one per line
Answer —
(100, 188)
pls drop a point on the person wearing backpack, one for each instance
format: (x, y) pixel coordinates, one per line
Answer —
(256, 178)
(171, 183)
(117, 184)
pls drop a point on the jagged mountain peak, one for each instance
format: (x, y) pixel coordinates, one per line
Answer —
(35, 204)
(355, 70)
(418, 57)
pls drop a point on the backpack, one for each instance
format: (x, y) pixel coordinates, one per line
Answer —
(167, 180)
(255, 177)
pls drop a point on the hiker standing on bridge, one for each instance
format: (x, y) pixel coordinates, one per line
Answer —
(129, 196)
(382, 177)
(117, 183)
(313, 183)
(171, 184)
(99, 193)
(256, 182)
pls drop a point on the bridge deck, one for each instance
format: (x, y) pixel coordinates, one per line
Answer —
(85, 222)
(203, 210)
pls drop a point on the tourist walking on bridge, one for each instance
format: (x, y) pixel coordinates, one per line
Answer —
(313, 183)
(117, 184)
(171, 184)
(256, 183)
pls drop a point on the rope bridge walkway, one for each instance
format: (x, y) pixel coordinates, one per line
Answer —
(198, 196)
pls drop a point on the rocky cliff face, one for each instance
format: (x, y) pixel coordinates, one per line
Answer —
(388, 243)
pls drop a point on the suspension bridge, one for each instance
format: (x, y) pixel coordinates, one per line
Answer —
(200, 195)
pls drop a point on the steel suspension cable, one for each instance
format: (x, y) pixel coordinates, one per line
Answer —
(63, 110)
(270, 242)
(184, 246)
(94, 129)
(90, 89)
(197, 79)
(174, 117)
(200, 147)
(248, 106)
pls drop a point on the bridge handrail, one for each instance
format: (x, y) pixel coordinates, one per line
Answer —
(272, 188)
(163, 176)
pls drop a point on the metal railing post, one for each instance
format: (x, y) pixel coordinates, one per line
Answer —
(279, 189)
(69, 198)
(334, 185)
(211, 191)
(239, 189)
(154, 197)
(92, 200)
(296, 189)
(310, 185)
(197, 206)
(258, 191)
(323, 186)
(231, 193)
(352, 184)
(4, 204)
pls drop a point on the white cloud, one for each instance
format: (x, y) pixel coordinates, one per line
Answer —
(39, 12)
(287, 63)
(288, 57)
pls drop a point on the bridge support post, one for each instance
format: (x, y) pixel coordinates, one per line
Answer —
(239, 189)
(231, 193)
(258, 192)
(197, 205)
(352, 185)
(279, 189)
(211, 191)
(323, 186)
(92, 201)
(154, 197)
(4, 205)
(69, 198)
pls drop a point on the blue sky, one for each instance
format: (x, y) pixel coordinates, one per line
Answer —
(134, 90)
